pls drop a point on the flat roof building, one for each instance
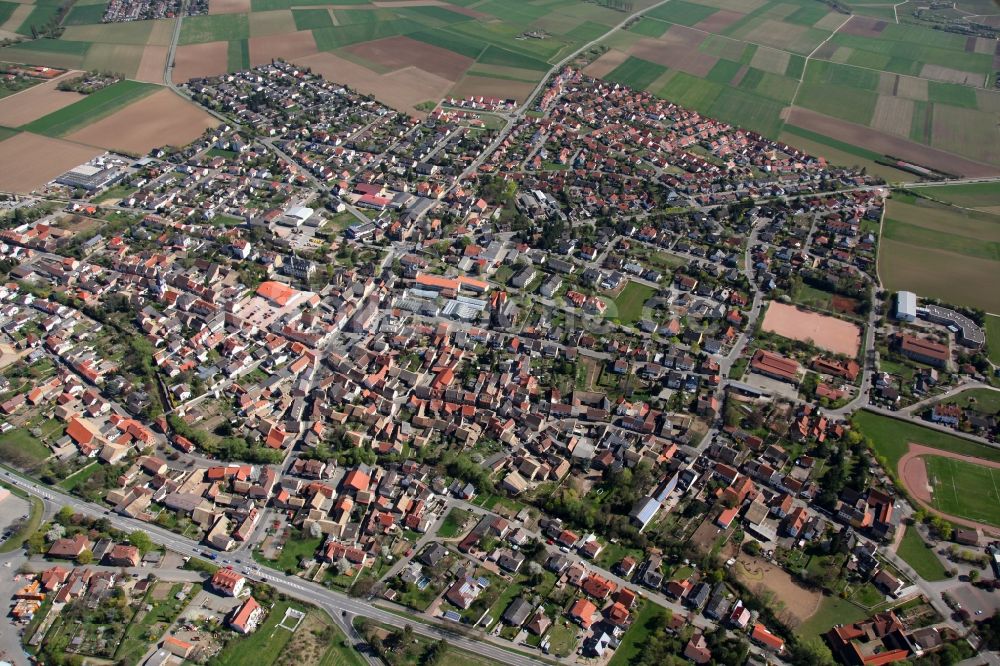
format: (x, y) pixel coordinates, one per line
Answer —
(906, 306)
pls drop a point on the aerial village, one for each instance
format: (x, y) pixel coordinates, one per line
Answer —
(540, 384)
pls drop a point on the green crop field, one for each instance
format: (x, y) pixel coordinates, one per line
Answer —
(497, 56)
(649, 27)
(919, 555)
(679, 11)
(938, 250)
(91, 108)
(38, 18)
(916, 234)
(993, 337)
(460, 44)
(344, 35)
(238, 55)
(892, 438)
(84, 15)
(310, 19)
(270, 5)
(965, 490)
(636, 72)
(6, 9)
(971, 195)
(214, 28)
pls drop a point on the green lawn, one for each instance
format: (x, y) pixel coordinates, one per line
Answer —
(613, 553)
(510, 592)
(453, 523)
(647, 619)
(340, 652)
(113, 193)
(20, 448)
(562, 638)
(297, 547)
(264, 645)
(965, 490)
(91, 108)
(915, 551)
(831, 611)
(868, 596)
(631, 300)
(892, 437)
(986, 401)
(80, 476)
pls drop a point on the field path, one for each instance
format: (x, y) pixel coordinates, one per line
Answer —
(805, 66)
(913, 474)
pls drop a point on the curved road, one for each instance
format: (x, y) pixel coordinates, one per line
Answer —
(338, 605)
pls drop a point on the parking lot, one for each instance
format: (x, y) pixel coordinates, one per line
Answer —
(975, 600)
(12, 509)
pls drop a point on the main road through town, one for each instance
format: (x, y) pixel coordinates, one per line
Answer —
(335, 603)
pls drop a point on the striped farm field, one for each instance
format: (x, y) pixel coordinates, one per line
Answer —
(938, 250)
(91, 108)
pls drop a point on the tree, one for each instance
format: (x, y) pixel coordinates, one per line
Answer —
(86, 557)
(973, 575)
(435, 653)
(141, 540)
(811, 652)
(64, 516)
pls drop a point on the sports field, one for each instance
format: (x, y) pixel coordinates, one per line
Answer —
(939, 250)
(91, 108)
(964, 489)
(823, 331)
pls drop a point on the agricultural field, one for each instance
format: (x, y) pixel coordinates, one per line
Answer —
(91, 108)
(938, 250)
(163, 118)
(902, 91)
(39, 159)
(981, 196)
(993, 337)
(405, 53)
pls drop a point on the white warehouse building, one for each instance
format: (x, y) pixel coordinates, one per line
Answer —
(906, 306)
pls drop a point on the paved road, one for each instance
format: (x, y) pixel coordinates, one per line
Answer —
(335, 603)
